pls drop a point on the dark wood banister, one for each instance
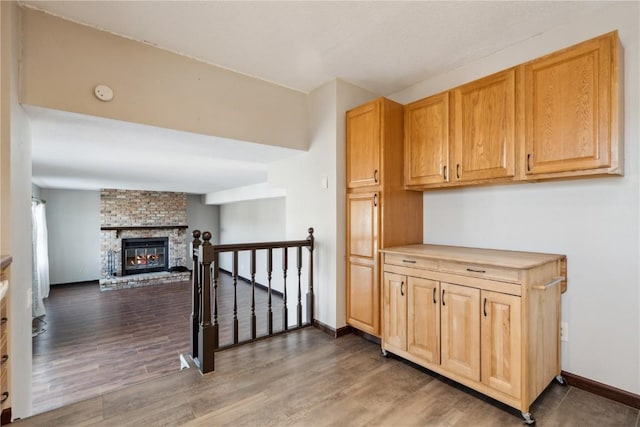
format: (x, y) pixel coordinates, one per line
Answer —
(204, 334)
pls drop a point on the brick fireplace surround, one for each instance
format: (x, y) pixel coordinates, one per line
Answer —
(148, 209)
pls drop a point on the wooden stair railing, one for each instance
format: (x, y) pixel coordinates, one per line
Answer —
(205, 321)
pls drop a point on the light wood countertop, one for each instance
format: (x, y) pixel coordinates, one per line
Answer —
(492, 257)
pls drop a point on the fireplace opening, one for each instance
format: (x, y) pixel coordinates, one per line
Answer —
(145, 255)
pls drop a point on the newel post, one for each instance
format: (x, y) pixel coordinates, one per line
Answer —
(195, 294)
(206, 331)
(310, 298)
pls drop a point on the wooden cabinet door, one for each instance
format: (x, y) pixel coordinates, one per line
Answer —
(363, 288)
(500, 342)
(423, 319)
(426, 143)
(568, 108)
(363, 145)
(460, 330)
(484, 128)
(394, 301)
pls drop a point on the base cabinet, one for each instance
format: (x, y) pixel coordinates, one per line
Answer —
(493, 327)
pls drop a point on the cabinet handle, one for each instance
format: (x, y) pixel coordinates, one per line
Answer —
(434, 295)
(476, 271)
(375, 176)
(484, 308)
(5, 396)
(3, 321)
(375, 200)
(443, 303)
(409, 261)
(458, 171)
(444, 172)
(529, 162)
(401, 288)
(4, 359)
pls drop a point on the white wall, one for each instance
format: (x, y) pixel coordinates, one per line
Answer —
(20, 236)
(254, 221)
(201, 217)
(595, 222)
(73, 225)
(263, 220)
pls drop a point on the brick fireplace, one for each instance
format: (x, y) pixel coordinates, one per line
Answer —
(134, 215)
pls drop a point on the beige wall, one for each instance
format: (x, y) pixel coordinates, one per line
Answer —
(64, 61)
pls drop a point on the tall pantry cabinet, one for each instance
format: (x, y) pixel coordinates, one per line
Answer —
(380, 212)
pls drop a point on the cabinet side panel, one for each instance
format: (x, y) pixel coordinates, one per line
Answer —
(542, 326)
(402, 220)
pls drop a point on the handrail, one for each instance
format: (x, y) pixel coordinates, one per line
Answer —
(261, 246)
(205, 320)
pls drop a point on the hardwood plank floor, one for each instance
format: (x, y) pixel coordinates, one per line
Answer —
(306, 378)
(96, 342)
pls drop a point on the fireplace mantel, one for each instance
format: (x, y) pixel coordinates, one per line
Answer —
(119, 228)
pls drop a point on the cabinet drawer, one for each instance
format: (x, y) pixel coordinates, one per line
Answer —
(483, 271)
(410, 261)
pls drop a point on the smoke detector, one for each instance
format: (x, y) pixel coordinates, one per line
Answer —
(103, 93)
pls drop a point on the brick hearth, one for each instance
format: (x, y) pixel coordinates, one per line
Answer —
(144, 279)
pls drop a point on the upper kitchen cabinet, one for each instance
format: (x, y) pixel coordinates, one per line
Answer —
(571, 111)
(484, 128)
(364, 144)
(553, 117)
(426, 146)
(464, 136)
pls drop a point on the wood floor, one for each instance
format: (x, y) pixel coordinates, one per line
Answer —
(306, 378)
(111, 358)
(96, 342)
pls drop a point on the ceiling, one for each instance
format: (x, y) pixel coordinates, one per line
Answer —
(76, 151)
(380, 46)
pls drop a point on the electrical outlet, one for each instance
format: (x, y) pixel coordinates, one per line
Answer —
(564, 331)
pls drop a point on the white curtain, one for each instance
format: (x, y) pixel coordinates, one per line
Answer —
(40, 288)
